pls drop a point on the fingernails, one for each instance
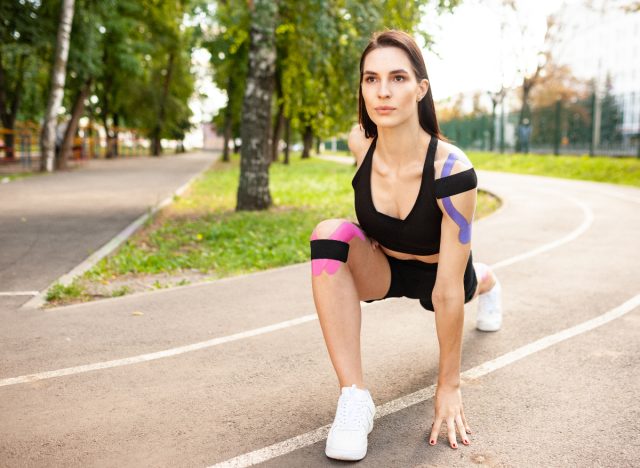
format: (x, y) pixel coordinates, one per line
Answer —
(432, 442)
(466, 442)
(454, 445)
(468, 431)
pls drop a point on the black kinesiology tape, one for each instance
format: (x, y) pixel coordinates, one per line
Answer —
(456, 183)
(329, 248)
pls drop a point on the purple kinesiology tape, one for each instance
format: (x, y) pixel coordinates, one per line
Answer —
(465, 228)
(345, 232)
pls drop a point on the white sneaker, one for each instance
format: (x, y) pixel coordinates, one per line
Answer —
(490, 309)
(347, 439)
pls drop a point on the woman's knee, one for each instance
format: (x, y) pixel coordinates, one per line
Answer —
(337, 229)
(330, 244)
(486, 277)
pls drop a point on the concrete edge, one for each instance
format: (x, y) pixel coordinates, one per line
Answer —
(39, 300)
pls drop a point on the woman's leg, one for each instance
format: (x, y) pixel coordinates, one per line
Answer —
(489, 316)
(338, 288)
(486, 278)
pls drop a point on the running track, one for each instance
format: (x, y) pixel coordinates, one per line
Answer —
(236, 372)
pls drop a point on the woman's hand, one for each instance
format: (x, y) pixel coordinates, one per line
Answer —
(448, 409)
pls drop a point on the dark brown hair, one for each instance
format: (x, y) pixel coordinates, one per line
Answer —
(426, 108)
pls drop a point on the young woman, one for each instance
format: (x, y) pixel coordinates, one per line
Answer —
(415, 197)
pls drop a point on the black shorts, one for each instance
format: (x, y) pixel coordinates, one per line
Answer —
(416, 279)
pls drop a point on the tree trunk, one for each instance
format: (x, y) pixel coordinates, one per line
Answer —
(112, 136)
(279, 121)
(67, 143)
(255, 129)
(156, 146)
(307, 141)
(227, 137)
(48, 138)
(287, 139)
(9, 110)
(277, 132)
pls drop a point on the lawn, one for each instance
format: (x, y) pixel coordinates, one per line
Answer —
(598, 168)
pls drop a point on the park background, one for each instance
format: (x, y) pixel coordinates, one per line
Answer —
(538, 87)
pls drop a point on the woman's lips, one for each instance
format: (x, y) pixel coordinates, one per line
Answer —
(384, 110)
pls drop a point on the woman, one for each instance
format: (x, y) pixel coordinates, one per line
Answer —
(415, 196)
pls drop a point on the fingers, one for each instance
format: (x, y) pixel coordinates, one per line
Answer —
(452, 423)
(464, 420)
(462, 430)
(435, 430)
(451, 431)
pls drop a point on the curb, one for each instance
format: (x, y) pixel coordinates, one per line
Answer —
(39, 300)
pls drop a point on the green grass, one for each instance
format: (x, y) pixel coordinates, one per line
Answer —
(203, 232)
(598, 168)
(59, 293)
(10, 177)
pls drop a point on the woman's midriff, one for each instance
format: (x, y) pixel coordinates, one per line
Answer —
(405, 256)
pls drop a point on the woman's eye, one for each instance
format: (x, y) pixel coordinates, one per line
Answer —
(369, 78)
(400, 77)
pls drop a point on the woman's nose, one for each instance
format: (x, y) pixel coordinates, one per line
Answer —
(383, 90)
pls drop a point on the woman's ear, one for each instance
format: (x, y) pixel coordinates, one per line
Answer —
(424, 88)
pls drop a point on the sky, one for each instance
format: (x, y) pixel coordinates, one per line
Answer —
(472, 55)
(469, 53)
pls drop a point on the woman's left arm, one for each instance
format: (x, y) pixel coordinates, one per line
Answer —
(448, 297)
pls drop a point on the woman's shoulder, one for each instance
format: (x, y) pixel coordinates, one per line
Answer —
(358, 143)
(452, 157)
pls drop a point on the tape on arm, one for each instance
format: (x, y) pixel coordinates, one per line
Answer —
(450, 185)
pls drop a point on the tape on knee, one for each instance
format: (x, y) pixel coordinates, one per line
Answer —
(329, 249)
(328, 254)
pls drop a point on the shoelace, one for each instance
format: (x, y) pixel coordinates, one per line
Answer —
(351, 413)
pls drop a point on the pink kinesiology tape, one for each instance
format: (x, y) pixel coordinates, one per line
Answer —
(345, 232)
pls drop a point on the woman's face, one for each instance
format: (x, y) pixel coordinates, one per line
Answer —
(389, 87)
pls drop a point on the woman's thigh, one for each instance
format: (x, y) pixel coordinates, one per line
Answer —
(369, 266)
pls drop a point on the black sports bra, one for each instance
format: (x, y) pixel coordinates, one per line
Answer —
(419, 232)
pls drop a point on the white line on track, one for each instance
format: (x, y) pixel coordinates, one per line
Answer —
(586, 224)
(588, 220)
(312, 437)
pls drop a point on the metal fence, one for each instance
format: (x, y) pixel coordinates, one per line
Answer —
(20, 147)
(609, 126)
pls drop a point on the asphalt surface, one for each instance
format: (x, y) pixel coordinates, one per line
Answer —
(192, 379)
(51, 223)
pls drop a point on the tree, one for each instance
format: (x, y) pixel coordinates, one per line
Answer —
(84, 66)
(57, 86)
(229, 49)
(253, 190)
(26, 28)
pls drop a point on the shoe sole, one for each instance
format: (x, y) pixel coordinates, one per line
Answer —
(488, 327)
(345, 454)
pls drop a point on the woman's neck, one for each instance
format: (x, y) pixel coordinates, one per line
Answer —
(402, 144)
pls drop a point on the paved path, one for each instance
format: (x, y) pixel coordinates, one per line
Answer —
(214, 372)
(51, 223)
